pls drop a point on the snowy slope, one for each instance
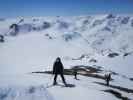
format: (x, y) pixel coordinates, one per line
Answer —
(31, 89)
(77, 40)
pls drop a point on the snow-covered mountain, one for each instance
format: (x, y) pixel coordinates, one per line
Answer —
(33, 43)
(100, 32)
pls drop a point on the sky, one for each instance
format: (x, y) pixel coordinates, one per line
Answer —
(14, 8)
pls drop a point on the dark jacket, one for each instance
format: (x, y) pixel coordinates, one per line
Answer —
(58, 67)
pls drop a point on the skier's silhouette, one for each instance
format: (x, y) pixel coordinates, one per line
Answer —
(58, 70)
(107, 78)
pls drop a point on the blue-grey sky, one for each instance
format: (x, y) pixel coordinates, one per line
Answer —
(14, 8)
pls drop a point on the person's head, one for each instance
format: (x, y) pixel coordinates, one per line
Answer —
(58, 59)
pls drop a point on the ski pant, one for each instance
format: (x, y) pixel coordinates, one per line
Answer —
(107, 82)
(62, 76)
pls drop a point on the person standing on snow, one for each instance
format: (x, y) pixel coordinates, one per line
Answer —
(58, 70)
(108, 78)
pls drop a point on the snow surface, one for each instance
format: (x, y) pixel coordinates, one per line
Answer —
(41, 39)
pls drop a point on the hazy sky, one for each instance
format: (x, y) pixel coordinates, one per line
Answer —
(13, 8)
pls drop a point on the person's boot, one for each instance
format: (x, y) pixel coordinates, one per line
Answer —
(65, 83)
(55, 83)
